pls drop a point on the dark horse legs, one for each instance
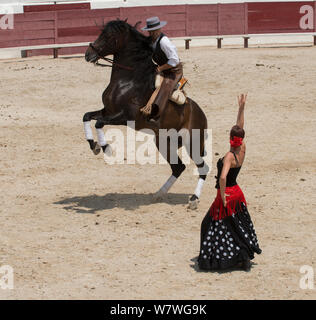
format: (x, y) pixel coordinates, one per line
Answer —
(101, 121)
(177, 168)
(170, 154)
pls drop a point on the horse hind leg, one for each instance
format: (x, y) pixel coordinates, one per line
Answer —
(177, 170)
(177, 167)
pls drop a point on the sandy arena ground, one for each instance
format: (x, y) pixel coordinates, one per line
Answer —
(73, 227)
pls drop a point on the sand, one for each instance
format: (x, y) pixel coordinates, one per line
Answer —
(73, 227)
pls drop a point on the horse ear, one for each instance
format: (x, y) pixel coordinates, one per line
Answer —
(118, 19)
(137, 24)
(97, 25)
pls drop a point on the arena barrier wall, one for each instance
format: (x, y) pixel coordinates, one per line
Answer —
(78, 22)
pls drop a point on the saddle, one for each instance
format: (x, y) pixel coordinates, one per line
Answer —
(178, 96)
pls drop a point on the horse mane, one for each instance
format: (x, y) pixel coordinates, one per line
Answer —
(139, 49)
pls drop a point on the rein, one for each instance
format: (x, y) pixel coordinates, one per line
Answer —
(111, 61)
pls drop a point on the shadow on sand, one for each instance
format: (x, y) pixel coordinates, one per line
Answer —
(127, 201)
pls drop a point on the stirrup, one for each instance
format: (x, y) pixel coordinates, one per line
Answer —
(181, 83)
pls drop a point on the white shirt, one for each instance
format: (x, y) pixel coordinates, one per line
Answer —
(169, 50)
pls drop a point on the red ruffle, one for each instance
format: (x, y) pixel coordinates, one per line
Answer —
(234, 199)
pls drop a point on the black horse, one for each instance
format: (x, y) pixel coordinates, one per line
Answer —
(131, 85)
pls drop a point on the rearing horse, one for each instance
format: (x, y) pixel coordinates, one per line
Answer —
(131, 85)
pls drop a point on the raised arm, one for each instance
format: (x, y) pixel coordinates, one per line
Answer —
(240, 116)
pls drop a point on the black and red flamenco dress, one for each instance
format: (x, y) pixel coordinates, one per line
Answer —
(228, 237)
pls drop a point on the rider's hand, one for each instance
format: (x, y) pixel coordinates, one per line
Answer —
(158, 69)
(242, 99)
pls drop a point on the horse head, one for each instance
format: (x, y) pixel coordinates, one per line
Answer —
(111, 41)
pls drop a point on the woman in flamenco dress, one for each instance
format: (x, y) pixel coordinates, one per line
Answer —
(228, 237)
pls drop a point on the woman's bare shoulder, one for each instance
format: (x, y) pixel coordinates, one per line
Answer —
(228, 156)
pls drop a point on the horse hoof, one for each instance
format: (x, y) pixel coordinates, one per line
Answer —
(96, 150)
(158, 195)
(193, 203)
(107, 152)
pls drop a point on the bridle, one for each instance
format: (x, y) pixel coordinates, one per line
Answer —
(111, 61)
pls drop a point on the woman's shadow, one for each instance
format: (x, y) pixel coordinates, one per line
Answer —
(127, 201)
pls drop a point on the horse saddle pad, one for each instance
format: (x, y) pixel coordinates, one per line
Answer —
(178, 95)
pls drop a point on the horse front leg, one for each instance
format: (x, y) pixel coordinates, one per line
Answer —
(94, 115)
(117, 119)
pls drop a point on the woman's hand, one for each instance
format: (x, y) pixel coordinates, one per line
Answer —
(242, 100)
(224, 200)
(240, 116)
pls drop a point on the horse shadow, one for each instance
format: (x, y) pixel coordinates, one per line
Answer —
(127, 201)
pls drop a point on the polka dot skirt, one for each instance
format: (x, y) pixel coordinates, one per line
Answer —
(226, 242)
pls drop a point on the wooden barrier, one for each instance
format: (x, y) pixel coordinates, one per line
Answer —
(57, 47)
(250, 36)
(76, 23)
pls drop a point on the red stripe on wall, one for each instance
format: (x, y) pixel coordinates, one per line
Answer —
(78, 31)
(76, 14)
(56, 7)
